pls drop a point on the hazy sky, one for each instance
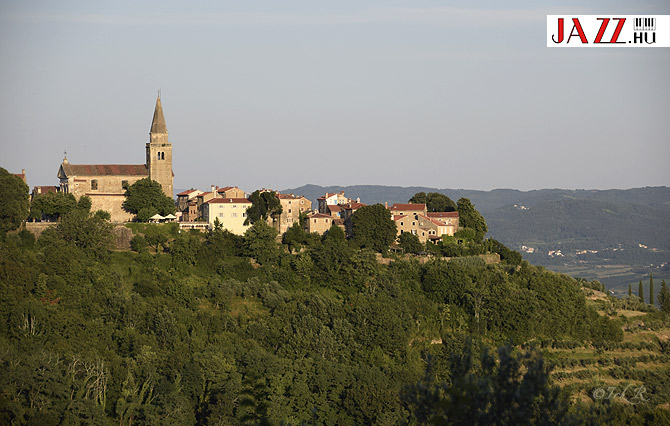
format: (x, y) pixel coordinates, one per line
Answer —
(281, 94)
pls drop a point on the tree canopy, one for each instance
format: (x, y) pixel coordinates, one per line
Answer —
(13, 201)
(372, 227)
(264, 204)
(434, 201)
(145, 198)
(469, 217)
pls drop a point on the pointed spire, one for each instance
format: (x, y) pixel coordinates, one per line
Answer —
(158, 123)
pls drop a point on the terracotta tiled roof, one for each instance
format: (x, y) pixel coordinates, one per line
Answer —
(318, 215)
(105, 170)
(45, 189)
(203, 194)
(187, 192)
(442, 214)
(353, 206)
(289, 197)
(436, 222)
(408, 207)
(225, 189)
(335, 209)
(228, 201)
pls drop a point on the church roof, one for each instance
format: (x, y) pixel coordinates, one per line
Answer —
(105, 169)
(158, 123)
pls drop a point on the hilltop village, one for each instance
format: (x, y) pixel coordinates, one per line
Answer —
(225, 207)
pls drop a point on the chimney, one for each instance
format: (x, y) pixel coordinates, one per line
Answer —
(213, 189)
(358, 200)
(386, 204)
(23, 172)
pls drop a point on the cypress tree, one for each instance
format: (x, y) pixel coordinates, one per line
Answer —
(651, 289)
(640, 291)
(630, 290)
(664, 298)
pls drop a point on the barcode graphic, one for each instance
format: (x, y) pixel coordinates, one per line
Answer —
(645, 24)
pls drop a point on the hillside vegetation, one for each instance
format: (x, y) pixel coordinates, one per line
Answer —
(189, 328)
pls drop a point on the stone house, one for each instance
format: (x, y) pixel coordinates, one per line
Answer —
(186, 197)
(423, 227)
(408, 209)
(448, 218)
(106, 184)
(231, 212)
(292, 206)
(318, 222)
(333, 199)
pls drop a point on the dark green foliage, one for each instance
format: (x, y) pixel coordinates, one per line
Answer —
(373, 228)
(506, 255)
(184, 249)
(664, 298)
(434, 201)
(138, 243)
(335, 233)
(52, 205)
(469, 217)
(157, 236)
(13, 201)
(86, 231)
(145, 198)
(260, 243)
(264, 204)
(410, 243)
(85, 203)
(630, 290)
(103, 215)
(651, 289)
(640, 291)
(294, 237)
(510, 389)
(201, 335)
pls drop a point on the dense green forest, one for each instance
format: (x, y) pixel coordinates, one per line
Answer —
(221, 329)
(216, 328)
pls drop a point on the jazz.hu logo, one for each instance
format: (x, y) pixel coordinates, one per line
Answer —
(599, 30)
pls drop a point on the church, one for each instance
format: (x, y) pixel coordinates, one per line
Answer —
(106, 184)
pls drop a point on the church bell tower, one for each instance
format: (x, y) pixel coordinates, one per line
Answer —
(159, 152)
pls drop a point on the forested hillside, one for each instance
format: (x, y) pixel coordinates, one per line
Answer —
(220, 329)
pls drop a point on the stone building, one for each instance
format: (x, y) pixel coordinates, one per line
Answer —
(106, 184)
(292, 206)
(231, 213)
(318, 222)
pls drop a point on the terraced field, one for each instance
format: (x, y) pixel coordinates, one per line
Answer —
(634, 371)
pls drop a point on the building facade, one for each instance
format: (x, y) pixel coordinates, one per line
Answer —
(106, 184)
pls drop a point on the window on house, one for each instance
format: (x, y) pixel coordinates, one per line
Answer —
(220, 214)
(289, 210)
(94, 184)
(162, 156)
(159, 156)
(234, 215)
(244, 215)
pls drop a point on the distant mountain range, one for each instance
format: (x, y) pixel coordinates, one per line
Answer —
(628, 227)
